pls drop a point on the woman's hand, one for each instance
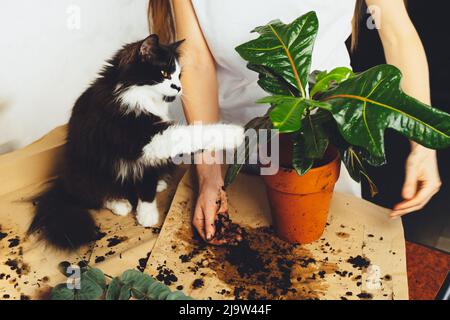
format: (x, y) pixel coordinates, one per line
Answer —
(422, 181)
(212, 200)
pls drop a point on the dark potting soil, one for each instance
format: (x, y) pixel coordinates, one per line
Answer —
(18, 266)
(166, 275)
(198, 283)
(365, 296)
(143, 262)
(227, 231)
(359, 262)
(99, 259)
(114, 241)
(14, 242)
(260, 266)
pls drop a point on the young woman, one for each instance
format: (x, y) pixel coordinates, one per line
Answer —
(218, 86)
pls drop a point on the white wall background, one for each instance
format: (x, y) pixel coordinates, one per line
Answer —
(47, 60)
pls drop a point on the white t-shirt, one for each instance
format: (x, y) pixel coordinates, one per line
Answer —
(227, 23)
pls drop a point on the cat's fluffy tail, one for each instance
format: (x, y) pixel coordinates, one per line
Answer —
(61, 220)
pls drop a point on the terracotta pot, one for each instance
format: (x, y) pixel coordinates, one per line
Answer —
(300, 204)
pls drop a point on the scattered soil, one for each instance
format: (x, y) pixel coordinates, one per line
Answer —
(14, 242)
(18, 266)
(143, 263)
(198, 283)
(343, 235)
(166, 275)
(114, 241)
(260, 266)
(227, 231)
(99, 259)
(100, 234)
(359, 262)
(365, 296)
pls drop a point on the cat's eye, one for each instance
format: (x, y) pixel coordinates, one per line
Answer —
(165, 74)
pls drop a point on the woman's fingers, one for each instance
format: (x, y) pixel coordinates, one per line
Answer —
(210, 218)
(416, 203)
(198, 221)
(411, 179)
(223, 202)
(422, 181)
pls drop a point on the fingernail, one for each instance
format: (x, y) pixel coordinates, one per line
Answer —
(208, 237)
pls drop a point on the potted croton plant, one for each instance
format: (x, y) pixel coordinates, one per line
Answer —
(323, 117)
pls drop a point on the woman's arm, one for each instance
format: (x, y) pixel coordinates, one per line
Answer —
(200, 99)
(200, 102)
(403, 49)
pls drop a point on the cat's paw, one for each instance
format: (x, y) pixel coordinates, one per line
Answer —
(223, 137)
(147, 214)
(162, 186)
(119, 207)
(234, 137)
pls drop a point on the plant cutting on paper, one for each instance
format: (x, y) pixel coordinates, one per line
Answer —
(332, 108)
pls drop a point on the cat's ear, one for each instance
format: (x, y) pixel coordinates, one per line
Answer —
(176, 45)
(149, 45)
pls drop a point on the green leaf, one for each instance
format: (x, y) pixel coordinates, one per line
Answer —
(273, 83)
(61, 292)
(366, 105)
(286, 49)
(317, 104)
(354, 163)
(177, 295)
(97, 276)
(242, 155)
(131, 276)
(313, 77)
(155, 289)
(311, 143)
(286, 112)
(141, 285)
(114, 288)
(300, 162)
(163, 295)
(89, 290)
(325, 80)
(125, 292)
(315, 139)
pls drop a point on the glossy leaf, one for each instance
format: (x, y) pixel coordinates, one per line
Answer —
(114, 288)
(315, 139)
(155, 289)
(354, 163)
(242, 155)
(125, 292)
(286, 112)
(300, 162)
(272, 83)
(61, 292)
(95, 275)
(366, 105)
(89, 290)
(286, 49)
(325, 80)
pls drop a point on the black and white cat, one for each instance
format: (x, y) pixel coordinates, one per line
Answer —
(121, 143)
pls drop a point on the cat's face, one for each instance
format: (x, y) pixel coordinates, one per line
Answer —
(153, 66)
